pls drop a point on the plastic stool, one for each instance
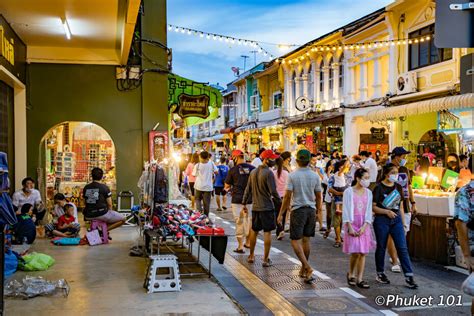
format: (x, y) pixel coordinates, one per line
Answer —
(166, 282)
(96, 224)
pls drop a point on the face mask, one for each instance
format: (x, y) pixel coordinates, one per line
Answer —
(393, 178)
(28, 190)
(403, 162)
(271, 162)
(365, 183)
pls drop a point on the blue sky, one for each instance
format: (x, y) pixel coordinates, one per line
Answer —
(297, 21)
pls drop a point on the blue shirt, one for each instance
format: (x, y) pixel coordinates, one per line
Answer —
(221, 175)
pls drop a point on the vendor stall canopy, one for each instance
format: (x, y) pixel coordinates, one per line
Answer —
(461, 101)
(194, 102)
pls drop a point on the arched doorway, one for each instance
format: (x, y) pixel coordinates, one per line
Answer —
(68, 152)
(438, 143)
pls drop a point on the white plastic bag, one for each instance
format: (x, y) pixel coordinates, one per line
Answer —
(468, 285)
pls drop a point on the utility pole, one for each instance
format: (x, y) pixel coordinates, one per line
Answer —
(254, 52)
(245, 61)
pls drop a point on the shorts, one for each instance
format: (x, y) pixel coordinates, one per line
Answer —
(336, 219)
(111, 217)
(338, 198)
(263, 221)
(191, 187)
(219, 191)
(302, 223)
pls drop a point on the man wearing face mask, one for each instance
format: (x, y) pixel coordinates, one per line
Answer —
(261, 190)
(29, 195)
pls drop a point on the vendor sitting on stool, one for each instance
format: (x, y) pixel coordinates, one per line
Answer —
(66, 222)
(98, 200)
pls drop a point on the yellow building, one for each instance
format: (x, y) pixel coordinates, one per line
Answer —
(424, 84)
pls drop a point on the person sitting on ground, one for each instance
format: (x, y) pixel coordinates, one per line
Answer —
(29, 195)
(25, 229)
(67, 222)
(98, 200)
(60, 201)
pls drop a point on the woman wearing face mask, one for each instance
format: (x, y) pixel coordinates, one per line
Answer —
(389, 221)
(452, 162)
(357, 218)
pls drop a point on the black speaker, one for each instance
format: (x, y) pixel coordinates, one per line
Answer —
(467, 73)
(454, 26)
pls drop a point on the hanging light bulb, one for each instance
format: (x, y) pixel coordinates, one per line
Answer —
(220, 38)
(170, 27)
(392, 44)
(201, 34)
(422, 39)
(183, 30)
(189, 32)
(208, 36)
(346, 47)
(214, 37)
(428, 38)
(176, 29)
(232, 41)
(416, 41)
(410, 41)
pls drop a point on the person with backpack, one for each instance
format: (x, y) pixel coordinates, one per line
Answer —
(236, 182)
(203, 187)
(222, 171)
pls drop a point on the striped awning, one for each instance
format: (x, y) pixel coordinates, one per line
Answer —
(461, 101)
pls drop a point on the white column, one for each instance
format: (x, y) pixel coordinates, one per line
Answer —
(316, 87)
(326, 84)
(363, 81)
(377, 85)
(335, 85)
(290, 100)
(304, 78)
(297, 87)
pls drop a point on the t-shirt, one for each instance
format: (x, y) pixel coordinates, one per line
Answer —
(95, 195)
(25, 227)
(63, 220)
(19, 198)
(371, 166)
(257, 162)
(261, 190)
(222, 171)
(58, 211)
(203, 173)
(304, 183)
(238, 178)
(381, 191)
(189, 172)
(281, 181)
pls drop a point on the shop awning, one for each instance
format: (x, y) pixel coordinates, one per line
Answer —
(227, 130)
(263, 124)
(427, 106)
(311, 118)
(246, 127)
(218, 137)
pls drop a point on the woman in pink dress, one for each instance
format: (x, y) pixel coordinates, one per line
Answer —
(357, 220)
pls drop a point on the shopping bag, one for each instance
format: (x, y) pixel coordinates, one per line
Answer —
(468, 285)
(11, 263)
(93, 237)
(36, 262)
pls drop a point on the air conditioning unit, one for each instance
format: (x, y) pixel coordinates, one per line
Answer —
(407, 83)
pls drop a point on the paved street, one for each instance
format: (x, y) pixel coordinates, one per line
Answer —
(330, 294)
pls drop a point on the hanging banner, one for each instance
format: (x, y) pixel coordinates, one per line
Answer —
(193, 106)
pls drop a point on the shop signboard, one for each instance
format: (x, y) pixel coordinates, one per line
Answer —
(274, 137)
(377, 133)
(12, 51)
(456, 120)
(450, 179)
(158, 145)
(193, 106)
(334, 132)
(417, 182)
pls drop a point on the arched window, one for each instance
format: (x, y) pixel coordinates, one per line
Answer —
(331, 74)
(310, 83)
(321, 77)
(341, 71)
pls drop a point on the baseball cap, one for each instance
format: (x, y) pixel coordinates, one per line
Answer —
(285, 155)
(398, 151)
(237, 153)
(303, 155)
(269, 154)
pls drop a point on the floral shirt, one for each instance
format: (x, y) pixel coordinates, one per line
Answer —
(464, 203)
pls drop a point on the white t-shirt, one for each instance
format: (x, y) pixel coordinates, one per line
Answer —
(371, 166)
(19, 198)
(203, 173)
(257, 162)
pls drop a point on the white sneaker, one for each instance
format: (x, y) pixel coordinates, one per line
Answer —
(396, 268)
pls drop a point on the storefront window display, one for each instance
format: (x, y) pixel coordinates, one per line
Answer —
(71, 150)
(376, 141)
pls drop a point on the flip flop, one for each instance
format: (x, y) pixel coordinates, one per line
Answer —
(309, 277)
(337, 245)
(250, 260)
(239, 251)
(267, 264)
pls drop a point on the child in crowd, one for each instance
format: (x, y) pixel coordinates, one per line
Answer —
(66, 223)
(25, 229)
(340, 184)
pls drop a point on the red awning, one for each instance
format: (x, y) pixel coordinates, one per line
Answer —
(227, 130)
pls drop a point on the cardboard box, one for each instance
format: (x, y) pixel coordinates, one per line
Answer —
(421, 204)
(441, 206)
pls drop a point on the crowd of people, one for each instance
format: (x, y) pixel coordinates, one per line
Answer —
(368, 201)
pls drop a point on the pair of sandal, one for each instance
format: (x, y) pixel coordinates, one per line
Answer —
(307, 275)
(265, 264)
(352, 282)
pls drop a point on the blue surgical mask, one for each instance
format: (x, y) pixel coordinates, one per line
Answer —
(403, 162)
